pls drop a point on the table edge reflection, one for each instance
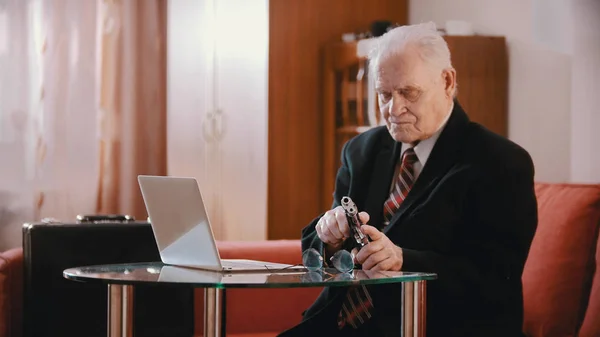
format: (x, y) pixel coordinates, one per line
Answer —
(94, 274)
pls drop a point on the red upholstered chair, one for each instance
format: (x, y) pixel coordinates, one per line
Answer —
(11, 293)
(591, 321)
(563, 263)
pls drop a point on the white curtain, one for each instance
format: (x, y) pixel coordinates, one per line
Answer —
(47, 112)
(58, 60)
(20, 72)
(65, 147)
(132, 101)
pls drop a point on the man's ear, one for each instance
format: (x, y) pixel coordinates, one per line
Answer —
(449, 80)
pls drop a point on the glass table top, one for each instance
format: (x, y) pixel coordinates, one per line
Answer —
(297, 276)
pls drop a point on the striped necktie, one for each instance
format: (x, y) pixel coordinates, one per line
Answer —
(405, 179)
(358, 304)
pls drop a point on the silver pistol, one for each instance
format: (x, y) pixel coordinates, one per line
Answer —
(354, 222)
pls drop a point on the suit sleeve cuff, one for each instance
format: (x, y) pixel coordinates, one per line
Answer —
(412, 260)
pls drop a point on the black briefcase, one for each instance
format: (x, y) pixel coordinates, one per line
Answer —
(55, 306)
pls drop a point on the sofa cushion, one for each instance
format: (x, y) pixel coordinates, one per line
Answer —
(272, 309)
(559, 269)
(591, 322)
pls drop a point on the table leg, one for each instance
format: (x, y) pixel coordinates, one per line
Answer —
(414, 308)
(120, 311)
(212, 312)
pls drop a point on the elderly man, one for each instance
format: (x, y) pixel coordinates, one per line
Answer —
(439, 193)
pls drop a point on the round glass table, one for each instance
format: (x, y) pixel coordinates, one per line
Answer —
(121, 278)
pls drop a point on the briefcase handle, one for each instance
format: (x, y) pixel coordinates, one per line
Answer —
(104, 218)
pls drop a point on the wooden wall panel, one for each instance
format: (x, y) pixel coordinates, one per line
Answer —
(481, 64)
(299, 29)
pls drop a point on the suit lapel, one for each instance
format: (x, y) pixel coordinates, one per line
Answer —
(381, 179)
(442, 157)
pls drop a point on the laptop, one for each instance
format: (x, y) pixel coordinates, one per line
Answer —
(182, 228)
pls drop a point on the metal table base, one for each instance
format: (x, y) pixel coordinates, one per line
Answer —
(414, 308)
(120, 310)
(213, 312)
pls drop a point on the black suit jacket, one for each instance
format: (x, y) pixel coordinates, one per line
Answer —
(470, 217)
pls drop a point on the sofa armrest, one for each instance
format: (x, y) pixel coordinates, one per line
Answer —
(11, 293)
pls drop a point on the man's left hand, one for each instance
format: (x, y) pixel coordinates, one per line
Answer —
(381, 253)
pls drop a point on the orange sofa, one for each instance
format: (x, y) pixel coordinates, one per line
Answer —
(561, 281)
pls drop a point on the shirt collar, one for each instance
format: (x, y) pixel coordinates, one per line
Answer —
(423, 148)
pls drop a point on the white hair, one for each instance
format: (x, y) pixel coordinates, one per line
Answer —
(429, 44)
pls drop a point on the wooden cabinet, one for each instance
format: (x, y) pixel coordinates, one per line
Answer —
(481, 64)
(217, 109)
(350, 104)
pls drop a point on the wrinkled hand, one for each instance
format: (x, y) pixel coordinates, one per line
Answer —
(380, 254)
(333, 228)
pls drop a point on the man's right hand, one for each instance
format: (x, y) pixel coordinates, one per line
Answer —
(333, 228)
